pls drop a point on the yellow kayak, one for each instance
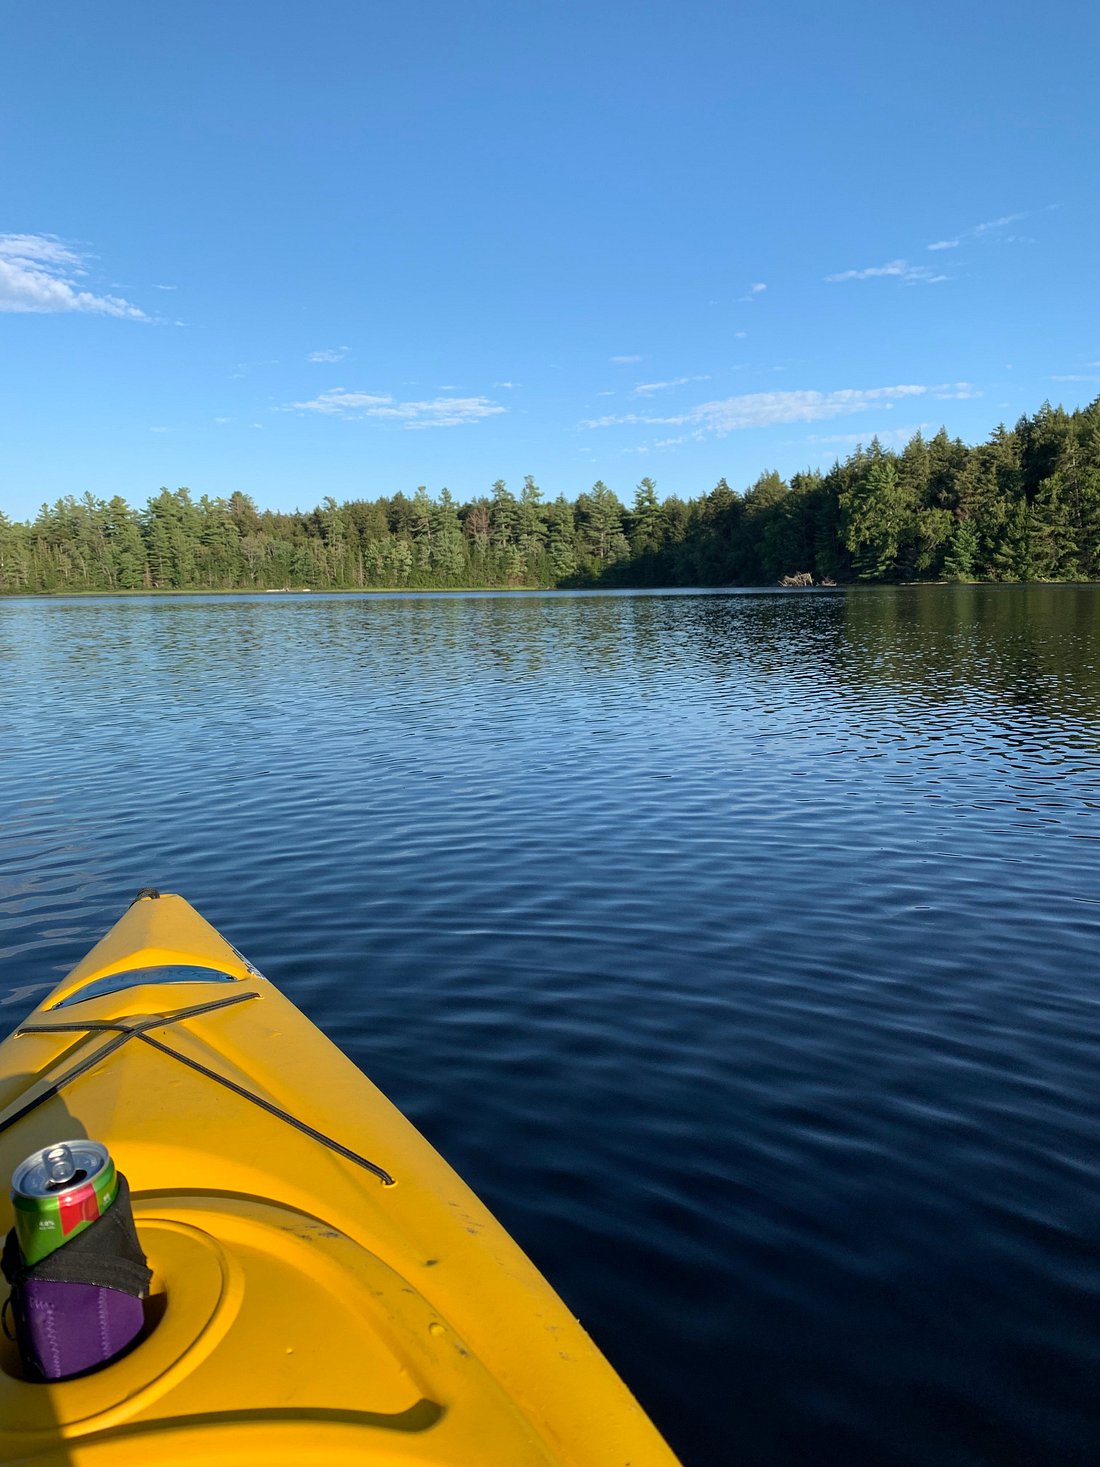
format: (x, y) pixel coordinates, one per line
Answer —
(325, 1288)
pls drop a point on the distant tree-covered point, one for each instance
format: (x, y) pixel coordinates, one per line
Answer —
(1023, 506)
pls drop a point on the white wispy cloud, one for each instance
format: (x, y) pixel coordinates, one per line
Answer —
(896, 269)
(44, 249)
(954, 392)
(1001, 223)
(1075, 377)
(329, 355)
(244, 368)
(902, 269)
(757, 288)
(766, 409)
(41, 273)
(988, 226)
(647, 389)
(438, 412)
(625, 361)
(884, 435)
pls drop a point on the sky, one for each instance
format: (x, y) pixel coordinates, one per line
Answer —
(346, 248)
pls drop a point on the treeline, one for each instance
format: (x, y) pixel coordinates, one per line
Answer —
(1023, 506)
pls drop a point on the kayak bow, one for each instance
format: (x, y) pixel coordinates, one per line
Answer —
(325, 1288)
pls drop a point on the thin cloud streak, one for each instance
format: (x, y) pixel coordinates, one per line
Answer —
(901, 269)
(328, 356)
(647, 389)
(895, 269)
(44, 249)
(977, 230)
(884, 435)
(766, 409)
(39, 274)
(439, 412)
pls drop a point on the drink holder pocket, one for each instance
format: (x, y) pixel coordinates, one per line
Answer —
(81, 1306)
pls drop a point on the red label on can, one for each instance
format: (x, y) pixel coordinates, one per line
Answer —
(77, 1207)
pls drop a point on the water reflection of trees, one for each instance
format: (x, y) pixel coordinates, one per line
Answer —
(938, 653)
(976, 648)
(1030, 647)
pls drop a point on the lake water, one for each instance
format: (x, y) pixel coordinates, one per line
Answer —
(739, 949)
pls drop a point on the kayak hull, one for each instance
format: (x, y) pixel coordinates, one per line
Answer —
(323, 1282)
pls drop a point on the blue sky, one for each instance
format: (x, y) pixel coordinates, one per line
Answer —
(350, 248)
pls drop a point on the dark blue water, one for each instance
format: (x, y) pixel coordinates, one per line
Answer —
(739, 949)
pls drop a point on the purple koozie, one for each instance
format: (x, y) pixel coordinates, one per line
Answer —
(81, 1306)
(71, 1328)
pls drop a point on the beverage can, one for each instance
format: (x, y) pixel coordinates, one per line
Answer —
(58, 1192)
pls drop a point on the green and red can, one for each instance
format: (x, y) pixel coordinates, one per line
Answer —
(58, 1192)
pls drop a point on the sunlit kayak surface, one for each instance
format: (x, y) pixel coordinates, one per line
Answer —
(324, 1285)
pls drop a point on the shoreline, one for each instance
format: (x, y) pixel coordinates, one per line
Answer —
(154, 593)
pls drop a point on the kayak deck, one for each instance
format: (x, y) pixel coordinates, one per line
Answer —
(324, 1285)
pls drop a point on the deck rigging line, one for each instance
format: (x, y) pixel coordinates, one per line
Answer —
(124, 1030)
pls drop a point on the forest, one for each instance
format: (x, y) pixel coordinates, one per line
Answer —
(1022, 506)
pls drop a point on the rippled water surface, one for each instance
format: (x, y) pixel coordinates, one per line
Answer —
(739, 949)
